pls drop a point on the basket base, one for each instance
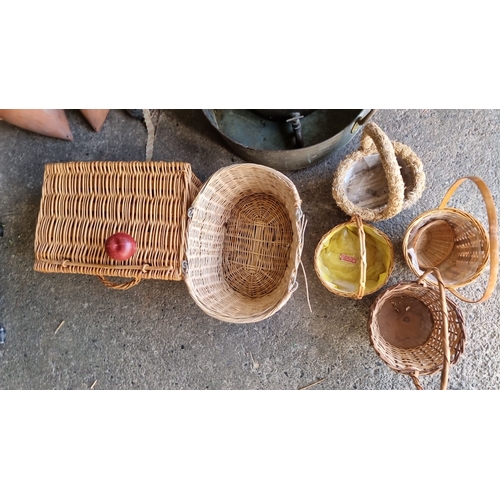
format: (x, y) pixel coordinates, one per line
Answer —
(366, 184)
(434, 243)
(405, 322)
(257, 245)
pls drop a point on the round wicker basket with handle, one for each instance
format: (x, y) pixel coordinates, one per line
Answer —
(454, 242)
(244, 243)
(378, 180)
(416, 329)
(341, 259)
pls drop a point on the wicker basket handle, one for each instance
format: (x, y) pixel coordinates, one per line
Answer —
(120, 286)
(362, 254)
(446, 340)
(373, 138)
(493, 234)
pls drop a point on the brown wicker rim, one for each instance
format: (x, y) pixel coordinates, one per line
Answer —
(436, 354)
(360, 293)
(400, 196)
(481, 242)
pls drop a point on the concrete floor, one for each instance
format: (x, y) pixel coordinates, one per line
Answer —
(153, 336)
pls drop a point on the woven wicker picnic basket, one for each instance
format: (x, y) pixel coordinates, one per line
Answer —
(380, 179)
(416, 330)
(236, 242)
(455, 242)
(341, 261)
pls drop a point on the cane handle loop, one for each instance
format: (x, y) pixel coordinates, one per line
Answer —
(120, 286)
(362, 255)
(445, 334)
(493, 235)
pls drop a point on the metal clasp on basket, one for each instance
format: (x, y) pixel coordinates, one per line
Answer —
(185, 267)
(190, 212)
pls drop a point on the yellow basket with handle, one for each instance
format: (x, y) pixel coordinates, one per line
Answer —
(354, 259)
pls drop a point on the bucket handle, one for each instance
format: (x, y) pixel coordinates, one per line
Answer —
(446, 340)
(373, 136)
(362, 121)
(493, 234)
(362, 255)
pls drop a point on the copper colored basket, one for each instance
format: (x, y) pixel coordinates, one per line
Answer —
(417, 330)
(454, 242)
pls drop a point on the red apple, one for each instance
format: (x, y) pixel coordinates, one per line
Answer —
(120, 246)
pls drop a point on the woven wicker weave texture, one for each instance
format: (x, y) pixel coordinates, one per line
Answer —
(245, 242)
(257, 220)
(460, 252)
(391, 319)
(463, 258)
(83, 203)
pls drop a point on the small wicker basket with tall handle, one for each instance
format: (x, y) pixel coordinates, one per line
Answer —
(416, 329)
(455, 242)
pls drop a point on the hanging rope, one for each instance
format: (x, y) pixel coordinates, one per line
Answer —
(151, 134)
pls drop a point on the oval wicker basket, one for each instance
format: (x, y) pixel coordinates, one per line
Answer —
(378, 180)
(357, 259)
(416, 330)
(454, 242)
(244, 243)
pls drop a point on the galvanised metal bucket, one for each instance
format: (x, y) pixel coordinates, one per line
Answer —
(272, 142)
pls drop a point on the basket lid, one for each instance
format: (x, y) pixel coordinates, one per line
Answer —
(83, 203)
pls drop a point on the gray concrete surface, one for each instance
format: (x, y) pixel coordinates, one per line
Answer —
(153, 336)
